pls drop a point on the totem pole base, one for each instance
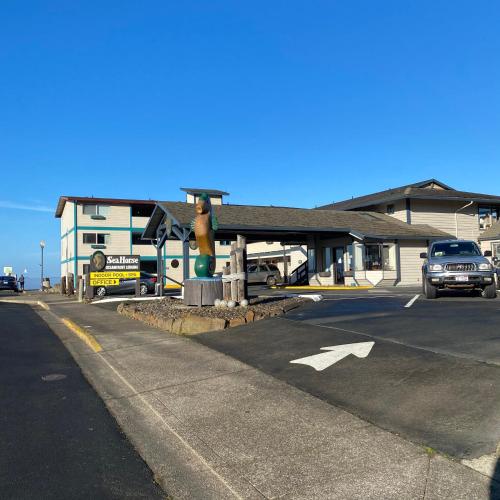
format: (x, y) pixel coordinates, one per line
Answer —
(202, 291)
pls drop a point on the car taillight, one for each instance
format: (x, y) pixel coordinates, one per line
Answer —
(154, 280)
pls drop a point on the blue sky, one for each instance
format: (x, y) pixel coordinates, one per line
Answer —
(284, 102)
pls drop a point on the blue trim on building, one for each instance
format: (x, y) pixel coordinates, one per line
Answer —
(76, 241)
(194, 256)
(67, 233)
(72, 259)
(131, 229)
(107, 228)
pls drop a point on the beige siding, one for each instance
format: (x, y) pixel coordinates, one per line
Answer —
(411, 263)
(139, 222)
(441, 215)
(118, 216)
(67, 240)
(399, 209)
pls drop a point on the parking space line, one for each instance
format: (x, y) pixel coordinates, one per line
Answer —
(412, 301)
(370, 298)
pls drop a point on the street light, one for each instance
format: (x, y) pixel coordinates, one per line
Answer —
(42, 246)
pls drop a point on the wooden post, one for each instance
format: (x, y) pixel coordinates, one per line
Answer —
(63, 285)
(226, 285)
(202, 292)
(185, 259)
(80, 289)
(89, 290)
(71, 285)
(285, 265)
(242, 284)
(234, 284)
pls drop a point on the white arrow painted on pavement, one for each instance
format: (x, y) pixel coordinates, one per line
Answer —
(336, 352)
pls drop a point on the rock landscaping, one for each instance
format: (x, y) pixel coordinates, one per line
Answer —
(175, 317)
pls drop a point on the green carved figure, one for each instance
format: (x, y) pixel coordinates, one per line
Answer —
(204, 225)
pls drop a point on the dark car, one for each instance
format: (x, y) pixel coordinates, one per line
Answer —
(147, 285)
(8, 283)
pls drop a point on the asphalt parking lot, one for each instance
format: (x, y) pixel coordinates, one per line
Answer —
(431, 371)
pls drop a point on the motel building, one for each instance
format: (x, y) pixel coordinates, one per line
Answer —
(370, 240)
(115, 227)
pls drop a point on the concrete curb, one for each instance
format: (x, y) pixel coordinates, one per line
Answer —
(40, 303)
(83, 334)
(312, 287)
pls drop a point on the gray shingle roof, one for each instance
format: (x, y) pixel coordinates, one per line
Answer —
(214, 192)
(411, 191)
(248, 217)
(492, 233)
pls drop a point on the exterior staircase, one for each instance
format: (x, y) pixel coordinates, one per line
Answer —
(299, 276)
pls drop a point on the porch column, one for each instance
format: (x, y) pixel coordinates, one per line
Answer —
(185, 259)
(311, 245)
(318, 254)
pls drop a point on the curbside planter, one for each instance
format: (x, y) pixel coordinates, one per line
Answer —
(189, 322)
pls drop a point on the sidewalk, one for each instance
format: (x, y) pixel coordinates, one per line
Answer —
(212, 427)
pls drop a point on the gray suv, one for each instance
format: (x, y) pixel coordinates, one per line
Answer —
(457, 264)
(263, 273)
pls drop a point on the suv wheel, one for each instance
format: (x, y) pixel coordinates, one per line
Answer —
(144, 289)
(100, 291)
(430, 291)
(271, 280)
(490, 291)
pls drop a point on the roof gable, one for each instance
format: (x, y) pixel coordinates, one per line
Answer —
(429, 189)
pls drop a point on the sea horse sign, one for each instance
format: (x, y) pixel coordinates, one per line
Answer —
(108, 270)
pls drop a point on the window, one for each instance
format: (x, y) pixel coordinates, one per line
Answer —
(380, 257)
(252, 269)
(327, 259)
(89, 238)
(348, 262)
(461, 248)
(496, 249)
(373, 257)
(487, 216)
(142, 210)
(95, 239)
(359, 263)
(390, 209)
(311, 260)
(225, 243)
(95, 210)
(137, 240)
(389, 256)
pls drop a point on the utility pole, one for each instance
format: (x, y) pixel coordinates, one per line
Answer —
(42, 246)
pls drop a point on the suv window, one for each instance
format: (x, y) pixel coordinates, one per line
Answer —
(263, 269)
(459, 248)
(252, 269)
(272, 267)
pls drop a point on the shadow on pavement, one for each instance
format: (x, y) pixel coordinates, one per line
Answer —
(495, 483)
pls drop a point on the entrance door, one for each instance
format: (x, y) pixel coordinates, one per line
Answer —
(339, 265)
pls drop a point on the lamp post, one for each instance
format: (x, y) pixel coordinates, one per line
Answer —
(42, 246)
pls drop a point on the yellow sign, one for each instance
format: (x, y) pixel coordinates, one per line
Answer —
(116, 275)
(104, 282)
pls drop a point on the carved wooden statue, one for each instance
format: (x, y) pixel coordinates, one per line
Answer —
(204, 225)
